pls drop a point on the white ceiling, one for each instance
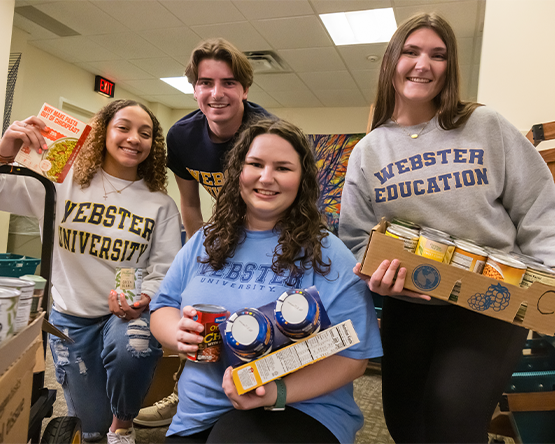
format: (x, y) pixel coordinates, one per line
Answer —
(135, 42)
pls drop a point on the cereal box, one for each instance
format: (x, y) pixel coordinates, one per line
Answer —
(64, 136)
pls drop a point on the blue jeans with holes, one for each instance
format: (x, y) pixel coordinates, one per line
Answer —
(107, 371)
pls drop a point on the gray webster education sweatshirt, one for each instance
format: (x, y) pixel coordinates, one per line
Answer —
(483, 181)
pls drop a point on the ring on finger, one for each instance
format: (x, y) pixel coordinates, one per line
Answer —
(24, 125)
(121, 316)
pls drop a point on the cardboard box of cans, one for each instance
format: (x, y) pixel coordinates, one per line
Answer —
(17, 361)
(281, 337)
(532, 307)
(64, 137)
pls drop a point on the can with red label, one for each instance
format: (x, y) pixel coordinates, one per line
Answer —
(210, 349)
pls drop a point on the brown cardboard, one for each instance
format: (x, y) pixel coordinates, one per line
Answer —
(17, 359)
(441, 278)
(293, 357)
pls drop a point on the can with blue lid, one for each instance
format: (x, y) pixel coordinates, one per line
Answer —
(249, 334)
(297, 314)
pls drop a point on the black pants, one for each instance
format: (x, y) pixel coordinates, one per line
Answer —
(261, 426)
(444, 370)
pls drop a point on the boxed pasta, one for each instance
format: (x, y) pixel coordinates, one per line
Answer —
(532, 307)
(64, 136)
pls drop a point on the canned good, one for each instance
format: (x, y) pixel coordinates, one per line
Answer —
(210, 349)
(435, 247)
(504, 268)
(38, 293)
(405, 223)
(9, 298)
(249, 334)
(24, 306)
(129, 282)
(297, 314)
(469, 256)
(525, 258)
(408, 236)
(433, 231)
(538, 273)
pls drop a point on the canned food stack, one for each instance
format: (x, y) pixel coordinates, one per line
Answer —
(513, 268)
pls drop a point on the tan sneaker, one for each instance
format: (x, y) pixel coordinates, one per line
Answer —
(159, 414)
(121, 436)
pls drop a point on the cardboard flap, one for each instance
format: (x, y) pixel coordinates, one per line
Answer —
(49, 328)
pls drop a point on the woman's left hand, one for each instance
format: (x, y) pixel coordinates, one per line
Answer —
(119, 306)
(262, 396)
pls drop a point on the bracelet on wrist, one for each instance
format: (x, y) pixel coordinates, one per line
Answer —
(6, 159)
(281, 396)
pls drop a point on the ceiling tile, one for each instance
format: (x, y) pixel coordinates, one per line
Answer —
(297, 99)
(202, 12)
(174, 101)
(329, 6)
(343, 97)
(241, 34)
(461, 15)
(466, 71)
(80, 48)
(313, 59)
(466, 49)
(328, 80)
(55, 51)
(369, 95)
(264, 9)
(301, 32)
(35, 31)
(127, 45)
(366, 79)
(119, 70)
(160, 66)
(139, 15)
(356, 56)
(403, 3)
(82, 16)
(152, 86)
(280, 82)
(123, 85)
(263, 99)
(176, 42)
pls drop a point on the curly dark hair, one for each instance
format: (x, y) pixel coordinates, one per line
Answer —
(91, 156)
(301, 229)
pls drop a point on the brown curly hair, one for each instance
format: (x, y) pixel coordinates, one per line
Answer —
(301, 229)
(91, 156)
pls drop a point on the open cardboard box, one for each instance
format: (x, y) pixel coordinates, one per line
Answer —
(17, 361)
(535, 305)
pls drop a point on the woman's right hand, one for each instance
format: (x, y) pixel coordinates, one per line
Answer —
(26, 132)
(382, 280)
(188, 331)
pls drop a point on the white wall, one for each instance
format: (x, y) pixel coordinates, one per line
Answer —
(517, 74)
(6, 19)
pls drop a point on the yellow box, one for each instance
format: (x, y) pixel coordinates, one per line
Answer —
(294, 357)
(532, 307)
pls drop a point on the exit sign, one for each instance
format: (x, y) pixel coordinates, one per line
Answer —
(104, 86)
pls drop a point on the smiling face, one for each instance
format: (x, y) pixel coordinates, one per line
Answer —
(128, 142)
(269, 181)
(220, 97)
(420, 72)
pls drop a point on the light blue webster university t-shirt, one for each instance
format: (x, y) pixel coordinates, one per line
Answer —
(247, 280)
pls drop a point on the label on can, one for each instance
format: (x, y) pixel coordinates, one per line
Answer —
(129, 282)
(435, 248)
(210, 349)
(297, 314)
(9, 298)
(504, 268)
(409, 238)
(25, 299)
(538, 273)
(469, 257)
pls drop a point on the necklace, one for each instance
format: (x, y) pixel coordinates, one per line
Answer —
(106, 193)
(413, 135)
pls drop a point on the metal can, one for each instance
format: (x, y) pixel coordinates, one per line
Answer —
(432, 231)
(38, 293)
(249, 334)
(408, 236)
(297, 314)
(525, 258)
(405, 223)
(9, 298)
(469, 256)
(435, 247)
(25, 300)
(538, 273)
(129, 281)
(504, 268)
(210, 349)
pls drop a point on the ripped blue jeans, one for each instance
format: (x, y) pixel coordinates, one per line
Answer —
(107, 371)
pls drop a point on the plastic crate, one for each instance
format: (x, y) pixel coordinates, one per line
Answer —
(16, 265)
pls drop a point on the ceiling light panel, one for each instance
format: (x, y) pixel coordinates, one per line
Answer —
(180, 83)
(358, 27)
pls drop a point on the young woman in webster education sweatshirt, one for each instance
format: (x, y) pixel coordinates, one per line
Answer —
(464, 169)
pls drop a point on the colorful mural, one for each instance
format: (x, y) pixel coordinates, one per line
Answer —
(332, 155)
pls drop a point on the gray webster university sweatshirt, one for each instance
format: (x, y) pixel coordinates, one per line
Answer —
(483, 181)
